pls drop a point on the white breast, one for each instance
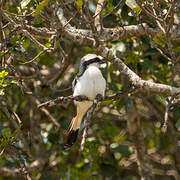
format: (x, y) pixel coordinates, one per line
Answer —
(90, 83)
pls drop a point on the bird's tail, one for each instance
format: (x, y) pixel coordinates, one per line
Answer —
(74, 126)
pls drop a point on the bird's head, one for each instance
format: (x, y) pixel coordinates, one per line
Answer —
(92, 60)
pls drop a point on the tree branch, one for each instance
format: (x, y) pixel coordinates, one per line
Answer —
(84, 98)
(98, 15)
(144, 85)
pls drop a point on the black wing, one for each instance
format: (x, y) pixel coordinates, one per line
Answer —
(74, 82)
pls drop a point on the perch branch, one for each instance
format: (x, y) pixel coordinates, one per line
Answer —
(88, 120)
(83, 98)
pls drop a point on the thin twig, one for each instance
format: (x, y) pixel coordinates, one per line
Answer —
(113, 9)
(43, 109)
(17, 15)
(163, 54)
(144, 8)
(168, 107)
(35, 57)
(69, 20)
(61, 99)
(34, 40)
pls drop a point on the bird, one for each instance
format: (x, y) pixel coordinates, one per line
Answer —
(89, 82)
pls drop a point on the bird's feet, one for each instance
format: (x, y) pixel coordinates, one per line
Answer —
(99, 97)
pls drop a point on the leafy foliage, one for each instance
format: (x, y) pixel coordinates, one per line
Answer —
(110, 148)
(4, 81)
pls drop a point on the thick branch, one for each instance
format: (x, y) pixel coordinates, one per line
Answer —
(98, 15)
(147, 86)
(133, 77)
(112, 34)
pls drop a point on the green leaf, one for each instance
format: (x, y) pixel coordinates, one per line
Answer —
(137, 10)
(40, 7)
(79, 3)
(6, 132)
(177, 49)
(160, 41)
(151, 143)
(119, 104)
(3, 74)
(106, 103)
(79, 165)
(14, 82)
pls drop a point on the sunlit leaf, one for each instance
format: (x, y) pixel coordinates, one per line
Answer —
(79, 165)
(40, 7)
(137, 10)
(25, 3)
(106, 103)
(3, 74)
(79, 3)
(1, 92)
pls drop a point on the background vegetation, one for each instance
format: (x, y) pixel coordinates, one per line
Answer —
(41, 44)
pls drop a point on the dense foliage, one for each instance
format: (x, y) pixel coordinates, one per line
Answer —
(41, 44)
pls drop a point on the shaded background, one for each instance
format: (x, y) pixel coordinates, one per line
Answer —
(122, 133)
